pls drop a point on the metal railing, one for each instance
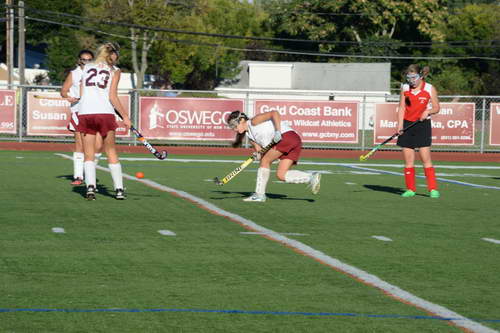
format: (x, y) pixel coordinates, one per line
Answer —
(366, 102)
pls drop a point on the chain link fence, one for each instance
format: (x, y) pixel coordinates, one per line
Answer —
(366, 112)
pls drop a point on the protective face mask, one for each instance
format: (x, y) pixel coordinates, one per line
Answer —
(412, 79)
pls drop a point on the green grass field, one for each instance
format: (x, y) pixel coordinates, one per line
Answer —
(112, 271)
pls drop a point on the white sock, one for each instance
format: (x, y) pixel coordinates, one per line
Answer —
(297, 177)
(78, 165)
(89, 167)
(116, 174)
(262, 179)
(97, 158)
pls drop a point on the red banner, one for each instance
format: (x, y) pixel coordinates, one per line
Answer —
(453, 125)
(187, 118)
(50, 116)
(317, 121)
(495, 124)
(8, 123)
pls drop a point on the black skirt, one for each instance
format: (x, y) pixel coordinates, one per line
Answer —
(418, 136)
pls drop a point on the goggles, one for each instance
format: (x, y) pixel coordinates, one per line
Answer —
(412, 78)
(233, 123)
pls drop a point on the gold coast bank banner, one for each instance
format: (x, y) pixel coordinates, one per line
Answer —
(8, 111)
(317, 121)
(453, 125)
(49, 115)
(175, 118)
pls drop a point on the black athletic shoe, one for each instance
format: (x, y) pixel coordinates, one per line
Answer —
(90, 192)
(120, 194)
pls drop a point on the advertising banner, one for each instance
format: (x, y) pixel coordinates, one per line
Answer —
(49, 115)
(453, 125)
(8, 123)
(317, 121)
(495, 124)
(187, 118)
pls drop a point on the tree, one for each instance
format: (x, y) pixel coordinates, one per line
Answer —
(373, 27)
(200, 61)
(128, 14)
(474, 30)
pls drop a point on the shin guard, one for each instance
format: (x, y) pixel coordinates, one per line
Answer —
(410, 179)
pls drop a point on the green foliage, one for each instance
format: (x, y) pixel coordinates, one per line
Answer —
(477, 24)
(352, 24)
(195, 61)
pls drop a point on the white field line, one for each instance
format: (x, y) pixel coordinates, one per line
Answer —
(382, 238)
(491, 240)
(166, 233)
(58, 230)
(281, 233)
(365, 277)
(303, 162)
(444, 180)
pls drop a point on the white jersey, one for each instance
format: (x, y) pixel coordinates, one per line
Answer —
(263, 133)
(96, 82)
(427, 87)
(74, 90)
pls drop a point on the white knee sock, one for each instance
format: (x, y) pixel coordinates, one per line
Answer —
(78, 165)
(97, 158)
(297, 177)
(262, 179)
(116, 174)
(89, 167)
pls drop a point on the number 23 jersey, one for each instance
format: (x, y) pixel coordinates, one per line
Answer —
(96, 83)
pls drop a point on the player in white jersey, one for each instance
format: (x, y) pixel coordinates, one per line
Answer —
(98, 102)
(71, 91)
(262, 130)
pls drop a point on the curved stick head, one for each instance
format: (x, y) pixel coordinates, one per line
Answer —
(163, 155)
(362, 158)
(218, 182)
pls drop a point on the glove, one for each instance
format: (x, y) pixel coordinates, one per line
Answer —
(256, 156)
(277, 137)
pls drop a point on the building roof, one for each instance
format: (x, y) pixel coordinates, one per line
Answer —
(313, 76)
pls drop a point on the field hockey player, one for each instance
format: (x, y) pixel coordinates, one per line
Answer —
(71, 92)
(262, 130)
(99, 100)
(418, 101)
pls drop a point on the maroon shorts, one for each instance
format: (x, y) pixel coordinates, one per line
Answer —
(97, 123)
(290, 145)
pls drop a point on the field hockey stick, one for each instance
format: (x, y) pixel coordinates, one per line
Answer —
(243, 165)
(371, 152)
(50, 97)
(159, 155)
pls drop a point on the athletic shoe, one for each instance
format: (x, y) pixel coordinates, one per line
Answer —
(256, 198)
(408, 193)
(77, 182)
(90, 192)
(120, 194)
(315, 182)
(434, 194)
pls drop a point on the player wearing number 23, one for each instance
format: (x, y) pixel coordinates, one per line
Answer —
(99, 100)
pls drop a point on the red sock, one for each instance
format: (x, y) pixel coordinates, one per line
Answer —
(430, 175)
(410, 179)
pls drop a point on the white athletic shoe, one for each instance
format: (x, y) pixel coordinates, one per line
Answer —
(315, 182)
(255, 198)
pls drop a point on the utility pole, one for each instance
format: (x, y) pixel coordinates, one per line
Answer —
(21, 60)
(10, 41)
